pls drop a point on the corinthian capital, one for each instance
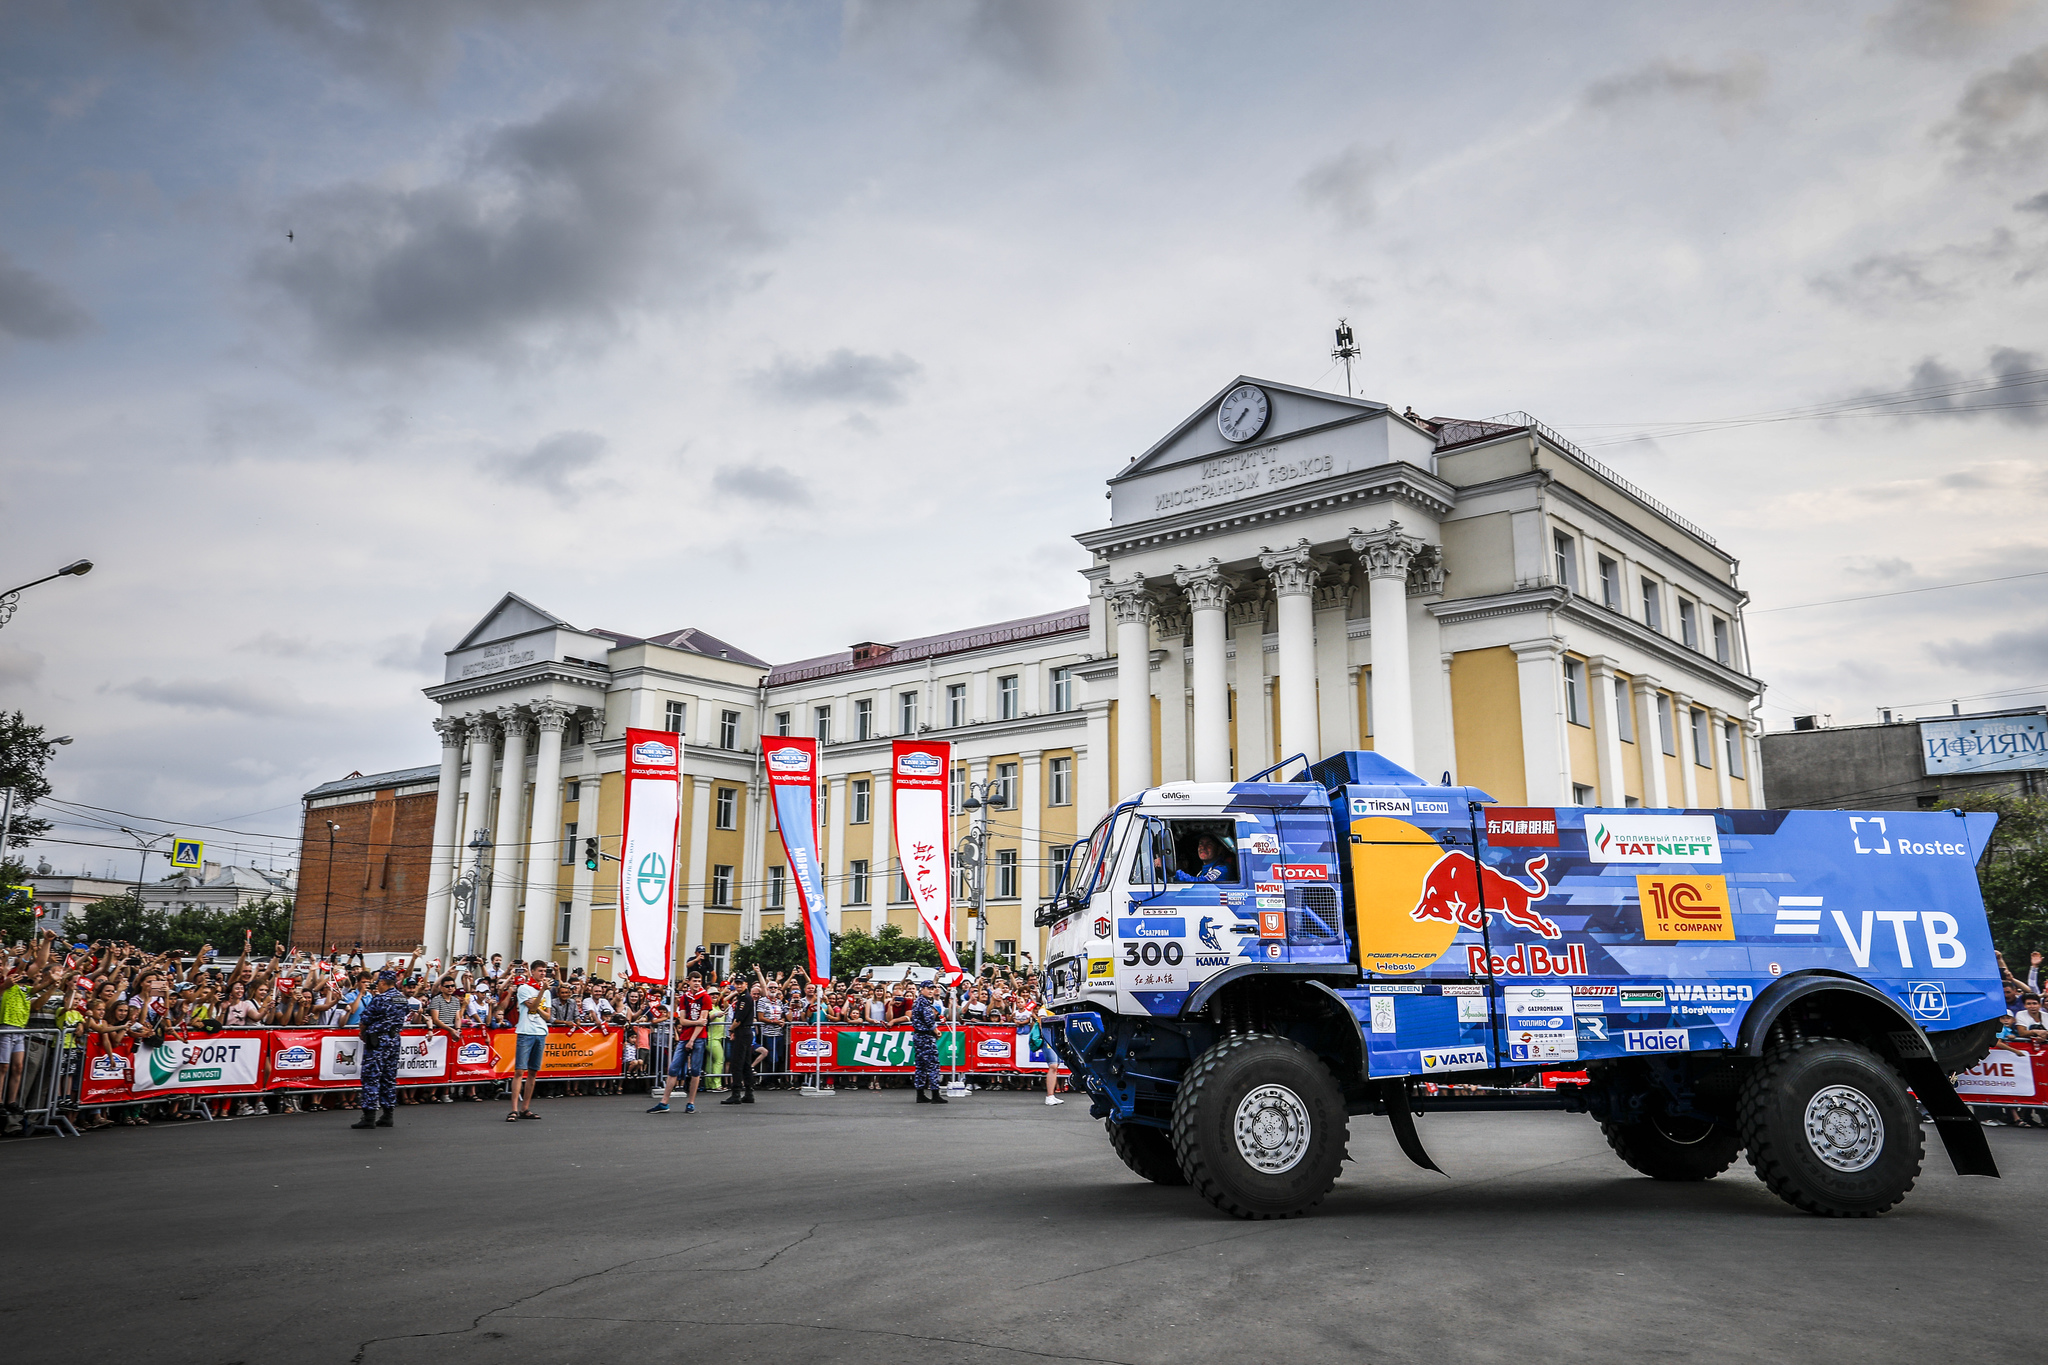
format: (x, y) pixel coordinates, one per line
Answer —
(1293, 572)
(450, 729)
(552, 716)
(1208, 588)
(1129, 603)
(483, 728)
(1386, 553)
(515, 722)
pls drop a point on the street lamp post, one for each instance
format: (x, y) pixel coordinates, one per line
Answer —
(11, 599)
(141, 863)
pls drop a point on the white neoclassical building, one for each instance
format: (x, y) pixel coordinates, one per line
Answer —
(1286, 571)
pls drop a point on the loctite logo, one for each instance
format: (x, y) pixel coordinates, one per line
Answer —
(1301, 872)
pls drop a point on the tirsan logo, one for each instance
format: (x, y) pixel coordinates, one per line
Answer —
(1656, 1040)
(919, 764)
(993, 1047)
(789, 760)
(1682, 993)
(1653, 839)
(653, 751)
(293, 1059)
(1454, 1059)
(814, 1047)
(1382, 805)
(1301, 872)
(1867, 834)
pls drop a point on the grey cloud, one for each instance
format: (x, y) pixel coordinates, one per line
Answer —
(844, 376)
(1926, 28)
(276, 646)
(1740, 82)
(2002, 118)
(2013, 387)
(1051, 43)
(269, 699)
(2038, 204)
(768, 484)
(1935, 275)
(1885, 570)
(425, 652)
(33, 308)
(604, 206)
(2006, 652)
(1344, 183)
(552, 464)
(18, 666)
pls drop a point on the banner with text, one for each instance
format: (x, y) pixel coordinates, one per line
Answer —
(834, 1048)
(921, 769)
(2014, 1073)
(647, 872)
(570, 1052)
(793, 785)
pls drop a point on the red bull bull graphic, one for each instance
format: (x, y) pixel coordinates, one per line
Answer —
(1450, 891)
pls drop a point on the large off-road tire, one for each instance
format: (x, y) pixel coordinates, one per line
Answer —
(1665, 1147)
(1259, 1127)
(1959, 1049)
(1830, 1128)
(1147, 1151)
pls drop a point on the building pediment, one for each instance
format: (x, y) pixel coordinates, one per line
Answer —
(513, 616)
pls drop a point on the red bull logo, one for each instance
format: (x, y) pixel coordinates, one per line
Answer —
(1453, 894)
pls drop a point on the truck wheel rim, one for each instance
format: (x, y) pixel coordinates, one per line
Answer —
(1272, 1129)
(1844, 1128)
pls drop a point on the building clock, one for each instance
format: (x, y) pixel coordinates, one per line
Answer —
(1243, 413)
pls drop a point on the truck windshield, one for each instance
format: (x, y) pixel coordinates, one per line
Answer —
(1091, 860)
(1065, 874)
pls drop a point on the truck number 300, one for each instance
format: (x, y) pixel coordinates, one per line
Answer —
(1152, 954)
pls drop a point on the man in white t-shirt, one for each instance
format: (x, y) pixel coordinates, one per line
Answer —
(533, 1004)
(2028, 1022)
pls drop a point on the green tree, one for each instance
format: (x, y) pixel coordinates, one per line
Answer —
(24, 754)
(2013, 873)
(781, 949)
(186, 930)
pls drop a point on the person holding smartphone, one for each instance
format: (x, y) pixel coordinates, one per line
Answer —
(533, 1003)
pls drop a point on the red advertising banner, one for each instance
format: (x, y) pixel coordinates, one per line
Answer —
(838, 1049)
(793, 777)
(2013, 1073)
(647, 856)
(331, 1059)
(1521, 826)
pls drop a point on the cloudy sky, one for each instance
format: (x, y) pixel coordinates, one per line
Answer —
(325, 322)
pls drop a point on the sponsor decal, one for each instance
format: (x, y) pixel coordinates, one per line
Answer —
(1273, 951)
(917, 763)
(1472, 1009)
(294, 1058)
(1383, 1014)
(1590, 990)
(1461, 989)
(1269, 889)
(1592, 1028)
(1394, 988)
(1457, 890)
(1432, 808)
(1155, 909)
(1272, 924)
(1060, 926)
(1652, 839)
(1157, 979)
(1099, 967)
(109, 1066)
(1102, 926)
(1709, 992)
(1798, 915)
(1151, 928)
(1879, 843)
(788, 758)
(993, 1047)
(1639, 997)
(1682, 909)
(1301, 872)
(1544, 1023)
(1927, 999)
(1592, 1004)
(1544, 1045)
(1210, 960)
(1522, 826)
(2000, 1073)
(1168, 794)
(473, 1054)
(1271, 903)
(1206, 931)
(1453, 1059)
(654, 752)
(859, 1049)
(1529, 959)
(1938, 930)
(1655, 1040)
(1260, 845)
(813, 1047)
(1382, 805)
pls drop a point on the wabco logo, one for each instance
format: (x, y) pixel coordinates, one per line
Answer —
(919, 765)
(789, 760)
(653, 751)
(1682, 993)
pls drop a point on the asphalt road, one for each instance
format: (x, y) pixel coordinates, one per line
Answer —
(996, 1229)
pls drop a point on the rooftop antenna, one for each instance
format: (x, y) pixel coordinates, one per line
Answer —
(1346, 351)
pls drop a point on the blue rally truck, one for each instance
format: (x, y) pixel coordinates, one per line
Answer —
(1237, 968)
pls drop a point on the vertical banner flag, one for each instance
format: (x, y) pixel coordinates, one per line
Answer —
(923, 841)
(647, 872)
(793, 783)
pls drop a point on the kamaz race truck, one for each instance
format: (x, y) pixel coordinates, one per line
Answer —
(1237, 968)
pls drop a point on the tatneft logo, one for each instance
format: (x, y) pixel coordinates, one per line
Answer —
(653, 751)
(789, 760)
(1656, 1040)
(1454, 1059)
(1652, 839)
(1867, 834)
(919, 764)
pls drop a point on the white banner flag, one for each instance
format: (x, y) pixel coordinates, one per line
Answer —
(920, 769)
(647, 874)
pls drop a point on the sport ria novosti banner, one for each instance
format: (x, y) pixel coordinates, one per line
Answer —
(921, 768)
(793, 785)
(647, 871)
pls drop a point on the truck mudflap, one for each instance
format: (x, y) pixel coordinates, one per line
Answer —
(1083, 1045)
(1962, 1137)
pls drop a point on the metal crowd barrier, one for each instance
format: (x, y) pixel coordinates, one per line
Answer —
(49, 1082)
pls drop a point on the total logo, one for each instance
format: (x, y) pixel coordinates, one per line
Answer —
(654, 753)
(919, 764)
(789, 759)
(293, 1059)
(1301, 872)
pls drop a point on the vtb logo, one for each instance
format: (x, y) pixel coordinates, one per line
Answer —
(1676, 909)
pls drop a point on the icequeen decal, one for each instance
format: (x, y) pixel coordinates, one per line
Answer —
(793, 782)
(920, 768)
(647, 871)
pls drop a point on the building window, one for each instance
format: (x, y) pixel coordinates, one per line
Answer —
(1006, 874)
(956, 704)
(568, 844)
(720, 954)
(1624, 716)
(906, 713)
(1653, 605)
(778, 886)
(728, 807)
(728, 729)
(575, 792)
(1632, 802)
(1564, 552)
(1731, 740)
(1688, 624)
(1007, 948)
(957, 788)
(1004, 794)
(822, 724)
(1575, 691)
(862, 788)
(857, 889)
(721, 883)
(1610, 583)
(677, 712)
(1666, 732)
(1722, 654)
(564, 914)
(863, 719)
(782, 726)
(1062, 782)
(1006, 697)
(902, 890)
(1582, 795)
(1057, 856)
(1063, 689)
(1702, 747)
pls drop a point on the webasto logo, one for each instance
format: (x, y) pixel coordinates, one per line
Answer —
(1653, 839)
(653, 751)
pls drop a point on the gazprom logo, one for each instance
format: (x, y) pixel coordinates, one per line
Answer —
(919, 764)
(653, 751)
(789, 760)
(650, 879)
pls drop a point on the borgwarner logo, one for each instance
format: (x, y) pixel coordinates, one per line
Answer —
(789, 760)
(653, 751)
(919, 764)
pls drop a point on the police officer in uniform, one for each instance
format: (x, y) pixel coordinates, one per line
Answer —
(379, 1025)
(739, 1051)
(924, 1042)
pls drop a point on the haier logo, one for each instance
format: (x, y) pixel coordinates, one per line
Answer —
(789, 760)
(653, 752)
(1656, 1040)
(919, 765)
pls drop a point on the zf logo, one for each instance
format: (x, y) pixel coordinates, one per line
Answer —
(1927, 1000)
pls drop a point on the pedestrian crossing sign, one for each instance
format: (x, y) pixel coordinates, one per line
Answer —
(188, 852)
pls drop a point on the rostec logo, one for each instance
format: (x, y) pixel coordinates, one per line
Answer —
(1452, 892)
(650, 881)
(1878, 842)
(653, 752)
(1301, 872)
(1453, 1059)
(1867, 834)
(1676, 909)
(919, 765)
(790, 760)
(1656, 1040)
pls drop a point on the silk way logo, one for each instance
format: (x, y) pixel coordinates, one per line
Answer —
(789, 760)
(653, 751)
(651, 879)
(919, 764)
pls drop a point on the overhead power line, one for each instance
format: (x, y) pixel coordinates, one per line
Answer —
(1902, 592)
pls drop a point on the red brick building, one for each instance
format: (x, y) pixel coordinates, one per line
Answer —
(372, 895)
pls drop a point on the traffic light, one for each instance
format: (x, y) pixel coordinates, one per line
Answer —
(590, 854)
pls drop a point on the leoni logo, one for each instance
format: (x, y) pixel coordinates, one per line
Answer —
(918, 764)
(653, 751)
(789, 760)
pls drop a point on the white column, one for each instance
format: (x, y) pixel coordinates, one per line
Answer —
(1606, 728)
(1545, 769)
(1650, 743)
(1449, 714)
(1172, 626)
(697, 889)
(543, 845)
(1091, 762)
(752, 875)
(448, 841)
(882, 856)
(1688, 760)
(1030, 853)
(1354, 722)
(503, 926)
(1724, 781)
(1387, 555)
(835, 852)
(589, 813)
(1293, 573)
(1131, 608)
(1331, 606)
(1246, 618)
(483, 744)
(1208, 593)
